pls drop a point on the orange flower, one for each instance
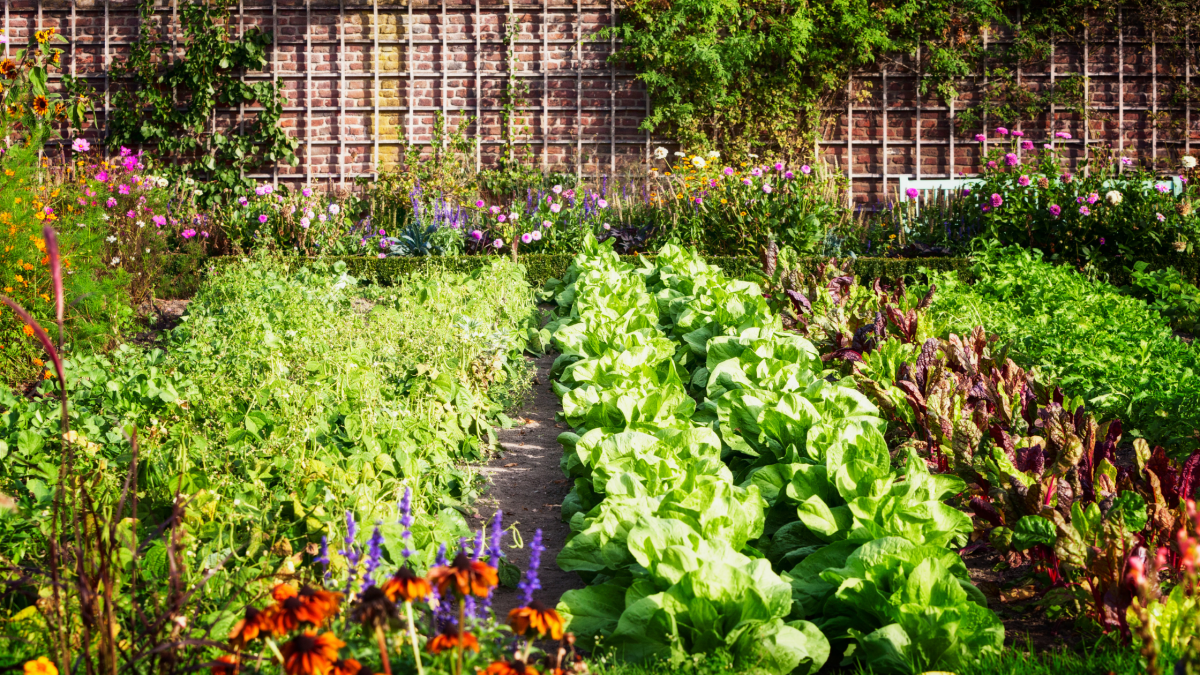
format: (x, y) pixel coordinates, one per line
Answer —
(28, 330)
(38, 362)
(450, 640)
(514, 667)
(40, 105)
(41, 666)
(226, 665)
(309, 605)
(538, 617)
(346, 667)
(255, 623)
(310, 654)
(468, 576)
(406, 587)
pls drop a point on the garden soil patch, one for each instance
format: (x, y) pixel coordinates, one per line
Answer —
(526, 483)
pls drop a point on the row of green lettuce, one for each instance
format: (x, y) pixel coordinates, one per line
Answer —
(765, 520)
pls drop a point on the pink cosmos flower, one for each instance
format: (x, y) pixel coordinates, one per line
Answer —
(123, 189)
(159, 220)
(1161, 187)
(111, 202)
(81, 145)
(188, 233)
(131, 214)
(1160, 217)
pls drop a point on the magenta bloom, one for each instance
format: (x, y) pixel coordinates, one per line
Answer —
(746, 181)
(1085, 210)
(476, 235)
(787, 174)
(1093, 198)
(729, 171)
(1026, 145)
(502, 217)
(805, 169)
(81, 145)
(123, 189)
(1101, 241)
(912, 193)
(1010, 159)
(1017, 133)
(130, 214)
(601, 203)
(110, 202)
(997, 200)
(188, 233)
(1161, 187)
(307, 192)
(498, 243)
(242, 201)
(985, 208)
(991, 164)
(1002, 131)
(1062, 134)
(779, 166)
(159, 220)
(479, 203)
(1055, 209)
(1023, 181)
(262, 218)
(980, 137)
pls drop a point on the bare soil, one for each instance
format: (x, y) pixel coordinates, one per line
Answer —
(526, 483)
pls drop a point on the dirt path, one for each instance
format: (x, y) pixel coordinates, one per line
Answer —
(526, 483)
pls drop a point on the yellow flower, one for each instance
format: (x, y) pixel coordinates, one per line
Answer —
(18, 199)
(723, 201)
(42, 666)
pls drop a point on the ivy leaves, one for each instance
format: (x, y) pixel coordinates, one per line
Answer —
(172, 101)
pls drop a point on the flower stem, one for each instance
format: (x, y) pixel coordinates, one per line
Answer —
(412, 631)
(462, 630)
(387, 667)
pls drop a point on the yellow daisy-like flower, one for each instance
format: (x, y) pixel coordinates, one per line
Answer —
(41, 666)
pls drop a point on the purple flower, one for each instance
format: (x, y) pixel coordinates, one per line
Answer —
(1054, 209)
(1010, 159)
(1023, 181)
(188, 233)
(966, 191)
(805, 169)
(323, 557)
(997, 200)
(262, 218)
(476, 235)
(1085, 211)
(353, 555)
(374, 554)
(912, 193)
(494, 552)
(980, 138)
(406, 521)
(242, 201)
(1101, 241)
(530, 583)
(81, 145)
(747, 181)
(307, 192)
(1026, 145)
(786, 174)
(102, 176)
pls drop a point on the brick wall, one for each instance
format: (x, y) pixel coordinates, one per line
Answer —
(362, 76)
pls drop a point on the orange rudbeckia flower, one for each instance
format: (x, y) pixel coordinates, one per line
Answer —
(407, 587)
(226, 665)
(308, 605)
(450, 640)
(537, 616)
(514, 667)
(310, 654)
(249, 627)
(346, 667)
(468, 576)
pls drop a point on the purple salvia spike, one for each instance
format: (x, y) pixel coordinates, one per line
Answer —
(494, 551)
(323, 557)
(374, 555)
(531, 583)
(478, 548)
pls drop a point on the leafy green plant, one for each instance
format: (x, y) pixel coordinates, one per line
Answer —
(1168, 293)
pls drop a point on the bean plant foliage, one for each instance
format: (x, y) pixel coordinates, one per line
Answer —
(170, 101)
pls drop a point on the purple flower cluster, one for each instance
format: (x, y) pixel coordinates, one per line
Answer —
(531, 583)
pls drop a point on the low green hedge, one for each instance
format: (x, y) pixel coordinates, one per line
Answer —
(182, 274)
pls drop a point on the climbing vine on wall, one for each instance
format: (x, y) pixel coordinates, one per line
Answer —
(759, 74)
(168, 100)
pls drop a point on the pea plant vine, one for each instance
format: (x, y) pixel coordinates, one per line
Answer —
(168, 97)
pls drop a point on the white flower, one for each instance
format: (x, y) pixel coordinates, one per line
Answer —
(198, 192)
(713, 154)
(698, 162)
(680, 153)
(752, 156)
(1188, 161)
(115, 262)
(1113, 197)
(111, 240)
(141, 224)
(80, 224)
(660, 153)
(334, 209)
(104, 216)
(163, 182)
(147, 250)
(189, 181)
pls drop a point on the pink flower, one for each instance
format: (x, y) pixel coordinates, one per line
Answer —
(536, 235)
(307, 192)
(991, 164)
(1062, 134)
(204, 234)
(1085, 210)
(502, 217)
(1160, 217)
(805, 169)
(242, 201)
(786, 174)
(601, 203)
(123, 189)
(997, 200)
(159, 220)
(766, 188)
(1161, 187)
(756, 172)
(1023, 181)
(1093, 198)
(1127, 161)
(912, 193)
(494, 210)
(1047, 146)
(1026, 145)
(557, 189)
(746, 181)
(779, 166)
(526, 238)
(728, 171)
(111, 202)
(262, 217)
(1002, 131)
(479, 203)
(498, 243)
(81, 145)
(188, 233)
(476, 235)
(130, 214)
(980, 138)
(1054, 209)
(1010, 159)
(1017, 133)
(555, 208)
(305, 223)
(547, 224)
